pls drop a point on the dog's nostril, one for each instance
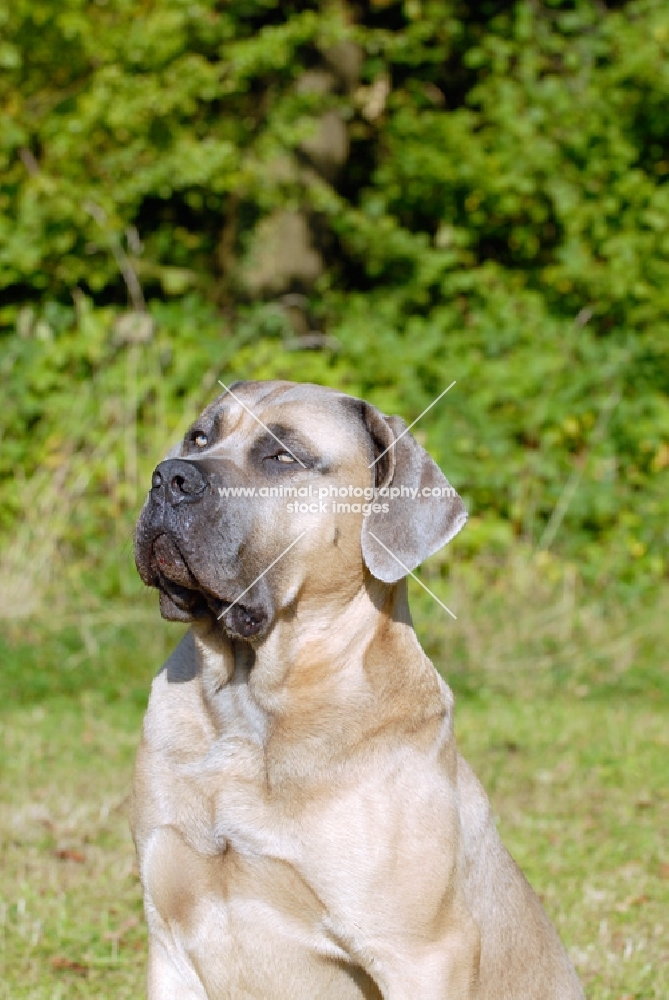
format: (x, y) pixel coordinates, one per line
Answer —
(175, 481)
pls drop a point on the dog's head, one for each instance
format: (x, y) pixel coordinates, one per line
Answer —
(279, 489)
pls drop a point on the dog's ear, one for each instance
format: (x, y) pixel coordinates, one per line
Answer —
(422, 517)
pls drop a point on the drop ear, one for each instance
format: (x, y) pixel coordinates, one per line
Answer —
(424, 511)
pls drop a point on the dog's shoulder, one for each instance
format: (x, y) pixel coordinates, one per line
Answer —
(176, 722)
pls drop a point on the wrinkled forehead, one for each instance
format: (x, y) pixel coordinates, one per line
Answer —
(325, 417)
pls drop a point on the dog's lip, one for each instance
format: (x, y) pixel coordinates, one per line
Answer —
(183, 597)
(171, 573)
(167, 560)
(243, 621)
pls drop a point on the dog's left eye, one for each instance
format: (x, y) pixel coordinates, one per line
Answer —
(200, 440)
(284, 456)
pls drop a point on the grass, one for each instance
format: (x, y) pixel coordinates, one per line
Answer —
(579, 789)
(70, 910)
(561, 709)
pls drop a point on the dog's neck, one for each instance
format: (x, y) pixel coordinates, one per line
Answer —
(315, 672)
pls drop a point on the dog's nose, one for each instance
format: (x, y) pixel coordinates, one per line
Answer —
(178, 481)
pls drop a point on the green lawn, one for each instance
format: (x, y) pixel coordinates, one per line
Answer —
(577, 773)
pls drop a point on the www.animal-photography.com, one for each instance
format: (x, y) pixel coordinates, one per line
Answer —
(334, 469)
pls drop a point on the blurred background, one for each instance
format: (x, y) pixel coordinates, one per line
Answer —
(383, 197)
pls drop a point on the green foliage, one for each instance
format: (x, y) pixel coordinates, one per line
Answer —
(497, 213)
(501, 219)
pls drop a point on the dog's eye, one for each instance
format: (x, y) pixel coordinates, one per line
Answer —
(284, 456)
(200, 440)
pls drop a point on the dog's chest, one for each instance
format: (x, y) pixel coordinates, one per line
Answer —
(204, 775)
(222, 859)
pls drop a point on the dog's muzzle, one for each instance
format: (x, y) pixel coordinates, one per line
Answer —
(176, 481)
(172, 552)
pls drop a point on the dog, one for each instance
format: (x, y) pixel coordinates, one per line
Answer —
(304, 825)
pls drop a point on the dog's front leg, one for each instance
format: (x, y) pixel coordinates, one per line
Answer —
(165, 980)
(444, 970)
(390, 849)
(182, 915)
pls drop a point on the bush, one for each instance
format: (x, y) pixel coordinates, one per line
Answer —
(473, 194)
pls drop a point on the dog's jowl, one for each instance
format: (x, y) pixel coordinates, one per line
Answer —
(305, 827)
